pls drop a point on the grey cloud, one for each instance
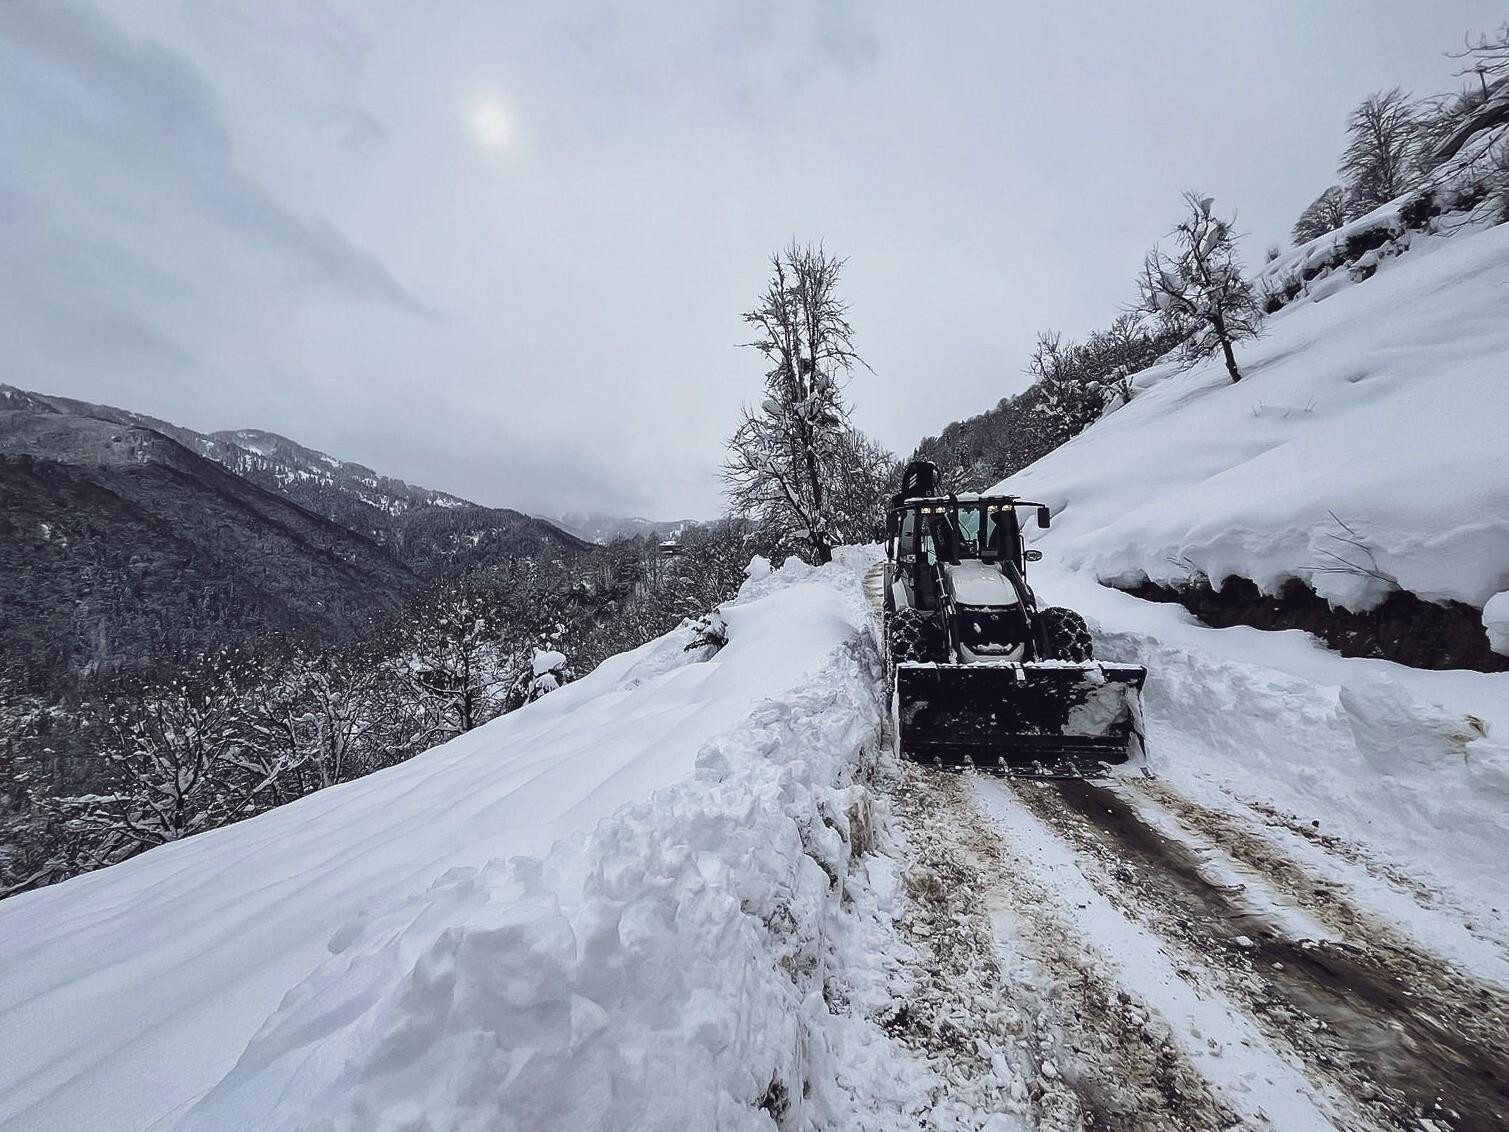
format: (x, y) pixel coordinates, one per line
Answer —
(730, 57)
(75, 80)
(297, 25)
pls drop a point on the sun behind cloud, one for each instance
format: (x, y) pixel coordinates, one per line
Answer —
(489, 121)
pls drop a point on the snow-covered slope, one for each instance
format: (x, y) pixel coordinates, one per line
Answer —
(412, 939)
(1379, 402)
(1380, 405)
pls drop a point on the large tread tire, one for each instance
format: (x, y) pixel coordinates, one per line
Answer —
(912, 636)
(1067, 635)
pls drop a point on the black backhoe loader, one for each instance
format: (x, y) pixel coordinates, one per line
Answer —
(983, 676)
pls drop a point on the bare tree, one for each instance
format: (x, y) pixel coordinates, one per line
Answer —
(780, 455)
(861, 479)
(1063, 398)
(1485, 56)
(1198, 292)
(1113, 356)
(1383, 138)
(1325, 213)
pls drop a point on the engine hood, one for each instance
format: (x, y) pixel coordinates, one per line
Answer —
(979, 583)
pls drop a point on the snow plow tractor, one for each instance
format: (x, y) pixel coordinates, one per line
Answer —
(983, 677)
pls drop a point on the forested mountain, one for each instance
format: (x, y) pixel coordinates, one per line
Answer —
(235, 620)
(600, 528)
(120, 548)
(431, 531)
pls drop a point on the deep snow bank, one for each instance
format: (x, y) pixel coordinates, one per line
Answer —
(1363, 748)
(1369, 440)
(409, 951)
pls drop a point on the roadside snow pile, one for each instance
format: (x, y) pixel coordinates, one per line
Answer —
(703, 947)
(1411, 763)
(1496, 621)
(624, 981)
(1364, 449)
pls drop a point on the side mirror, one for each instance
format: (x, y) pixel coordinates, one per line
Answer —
(1044, 517)
(1033, 555)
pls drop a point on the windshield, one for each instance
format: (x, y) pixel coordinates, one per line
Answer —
(979, 527)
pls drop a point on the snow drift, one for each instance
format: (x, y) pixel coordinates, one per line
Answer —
(613, 907)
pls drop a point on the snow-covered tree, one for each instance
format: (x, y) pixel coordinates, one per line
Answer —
(1197, 291)
(710, 567)
(1379, 163)
(182, 758)
(456, 667)
(862, 477)
(1325, 213)
(328, 718)
(781, 456)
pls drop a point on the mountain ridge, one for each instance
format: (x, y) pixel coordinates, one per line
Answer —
(426, 528)
(132, 543)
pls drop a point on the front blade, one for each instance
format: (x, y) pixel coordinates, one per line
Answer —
(1048, 718)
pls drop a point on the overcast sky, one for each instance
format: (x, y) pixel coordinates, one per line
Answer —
(501, 248)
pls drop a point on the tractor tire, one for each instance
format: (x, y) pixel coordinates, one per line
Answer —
(912, 636)
(1067, 634)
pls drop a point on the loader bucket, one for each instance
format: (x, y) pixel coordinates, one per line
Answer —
(1048, 719)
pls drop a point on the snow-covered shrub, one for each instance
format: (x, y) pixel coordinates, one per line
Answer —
(709, 633)
(548, 669)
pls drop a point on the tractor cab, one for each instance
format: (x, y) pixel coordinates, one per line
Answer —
(967, 547)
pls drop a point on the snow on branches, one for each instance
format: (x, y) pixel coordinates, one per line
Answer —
(785, 458)
(1198, 290)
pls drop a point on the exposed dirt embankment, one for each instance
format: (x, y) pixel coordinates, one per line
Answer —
(1421, 634)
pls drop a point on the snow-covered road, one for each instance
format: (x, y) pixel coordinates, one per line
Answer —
(1183, 950)
(698, 891)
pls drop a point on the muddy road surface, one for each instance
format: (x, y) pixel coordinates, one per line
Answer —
(1147, 962)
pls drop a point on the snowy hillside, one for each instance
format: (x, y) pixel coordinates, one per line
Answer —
(600, 528)
(414, 939)
(1376, 400)
(1379, 405)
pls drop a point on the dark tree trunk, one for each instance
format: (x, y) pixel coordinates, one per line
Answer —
(1219, 324)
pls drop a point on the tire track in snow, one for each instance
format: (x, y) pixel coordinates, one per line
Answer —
(1398, 934)
(1351, 1012)
(1484, 925)
(1251, 1083)
(1009, 993)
